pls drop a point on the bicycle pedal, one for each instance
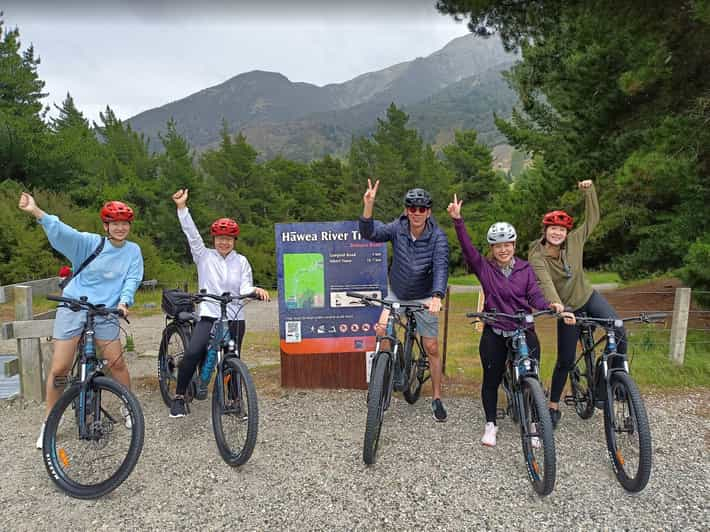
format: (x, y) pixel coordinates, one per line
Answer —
(569, 400)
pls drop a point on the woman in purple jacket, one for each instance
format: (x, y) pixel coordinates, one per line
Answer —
(509, 285)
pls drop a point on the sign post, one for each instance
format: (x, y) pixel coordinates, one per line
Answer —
(325, 335)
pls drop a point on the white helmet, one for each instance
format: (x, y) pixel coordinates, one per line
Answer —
(501, 232)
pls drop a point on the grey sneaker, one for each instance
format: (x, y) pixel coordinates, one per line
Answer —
(438, 410)
(178, 408)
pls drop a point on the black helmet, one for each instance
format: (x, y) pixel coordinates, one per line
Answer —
(417, 197)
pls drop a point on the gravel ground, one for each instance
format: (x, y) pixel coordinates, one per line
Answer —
(307, 472)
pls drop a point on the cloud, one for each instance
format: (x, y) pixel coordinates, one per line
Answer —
(135, 56)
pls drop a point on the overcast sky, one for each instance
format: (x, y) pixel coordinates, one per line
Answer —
(135, 55)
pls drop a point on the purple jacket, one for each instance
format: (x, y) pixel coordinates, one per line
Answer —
(511, 294)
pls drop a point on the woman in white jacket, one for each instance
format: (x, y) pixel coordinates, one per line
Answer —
(219, 269)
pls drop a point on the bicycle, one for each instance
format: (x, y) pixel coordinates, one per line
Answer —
(604, 382)
(235, 412)
(526, 402)
(85, 452)
(404, 368)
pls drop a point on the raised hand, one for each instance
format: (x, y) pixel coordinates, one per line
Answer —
(180, 198)
(454, 208)
(584, 184)
(369, 197)
(27, 203)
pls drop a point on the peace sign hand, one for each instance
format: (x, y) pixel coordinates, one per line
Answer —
(454, 208)
(369, 196)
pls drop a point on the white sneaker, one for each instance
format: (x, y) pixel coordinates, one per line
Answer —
(489, 436)
(38, 444)
(534, 441)
(126, 417)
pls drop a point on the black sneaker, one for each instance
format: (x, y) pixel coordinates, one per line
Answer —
(555, 416)
(178, 408)
(201, 392)
(437, 408)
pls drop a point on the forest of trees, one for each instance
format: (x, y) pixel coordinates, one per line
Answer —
(619, 97)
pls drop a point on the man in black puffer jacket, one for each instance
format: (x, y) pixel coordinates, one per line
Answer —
(419, 272)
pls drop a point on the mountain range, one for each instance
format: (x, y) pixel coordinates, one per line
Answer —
(457, 87)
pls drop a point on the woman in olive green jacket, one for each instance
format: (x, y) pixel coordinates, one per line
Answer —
(557, 259)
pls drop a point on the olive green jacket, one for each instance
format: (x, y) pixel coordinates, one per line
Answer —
(562, 278)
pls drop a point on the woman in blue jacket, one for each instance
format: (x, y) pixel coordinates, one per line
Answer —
(111, 279)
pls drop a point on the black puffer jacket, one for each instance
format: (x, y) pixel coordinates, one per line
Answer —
(420, 268)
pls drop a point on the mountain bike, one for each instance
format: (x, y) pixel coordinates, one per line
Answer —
(88, 451)
(403, 367)
(525, 398)
(235, 411)
(603, 381)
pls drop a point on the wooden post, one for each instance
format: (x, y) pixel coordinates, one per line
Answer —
(446, 330)
(28, 349)
(479, 308)
(679, 328)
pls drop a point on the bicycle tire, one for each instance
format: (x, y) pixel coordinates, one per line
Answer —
(625, 391)
(376, 398)
(536, 412)
(173, 346)
(62, 464)
(230, 411)
(580, 379)
(413, 382)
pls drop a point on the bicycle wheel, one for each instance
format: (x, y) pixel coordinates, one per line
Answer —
(92, 466)
(376, 399)
(235, 412)
(628, 435)
(537, 437)
(172, 350)
(413, 378)
(580, 379)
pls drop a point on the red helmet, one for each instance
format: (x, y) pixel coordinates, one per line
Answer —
(558, 218)
(116, 211)
(225, 227)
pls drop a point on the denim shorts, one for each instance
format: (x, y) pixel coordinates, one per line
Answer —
(69, 324)
(427, 322)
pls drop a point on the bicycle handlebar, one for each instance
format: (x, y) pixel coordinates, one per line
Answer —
(611, 322)
(368, 300)
(518, 316)
(78, 304)
(225, 298)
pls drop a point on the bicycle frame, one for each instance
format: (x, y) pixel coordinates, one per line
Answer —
(87, 366)
(519, 365)
(599, 365)
(223, 343)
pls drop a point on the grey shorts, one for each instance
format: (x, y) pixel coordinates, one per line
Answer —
(68, 324)
(427, 322)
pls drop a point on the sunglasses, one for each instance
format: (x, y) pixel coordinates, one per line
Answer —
(420, 210)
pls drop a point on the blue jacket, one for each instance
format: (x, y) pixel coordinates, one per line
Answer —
(420, 268)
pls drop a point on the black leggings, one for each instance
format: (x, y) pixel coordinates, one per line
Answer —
(494, 350)
(567, 336)
(197, 348)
